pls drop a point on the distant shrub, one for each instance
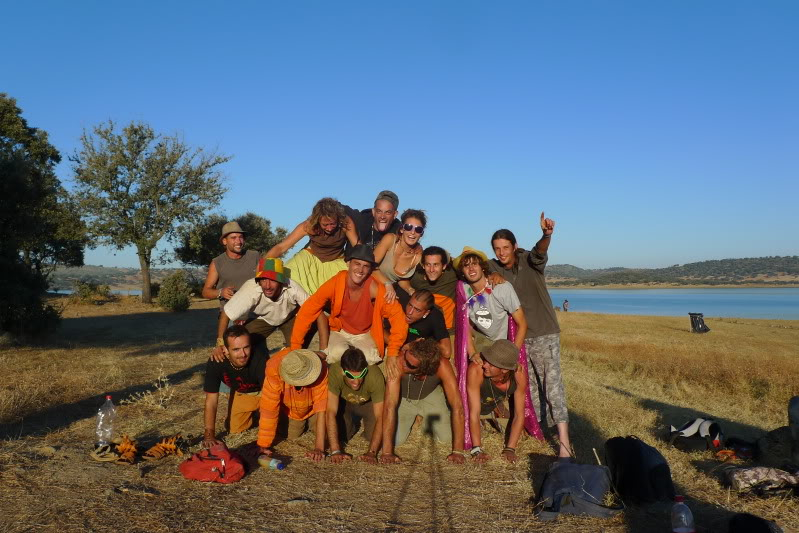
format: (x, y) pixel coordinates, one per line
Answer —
(196, 283)
(90, 292)
(175, 292)
(155, 289)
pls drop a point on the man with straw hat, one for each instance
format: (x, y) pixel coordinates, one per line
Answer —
(274, 299)
(229, 270)
(296, 387)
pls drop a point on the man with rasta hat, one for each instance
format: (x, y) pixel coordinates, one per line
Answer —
(274, 299)
(296, 388)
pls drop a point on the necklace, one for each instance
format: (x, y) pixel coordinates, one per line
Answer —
(419, 397)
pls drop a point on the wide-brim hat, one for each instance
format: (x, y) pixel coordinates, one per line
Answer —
(467, 250)
(362, 252)
(502, 354)
(231, 227)
(300, 367)
(270, 268)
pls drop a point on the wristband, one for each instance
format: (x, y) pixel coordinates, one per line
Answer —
(509, 449)
(334, 452)
(219, 294)
(477, 450)
(220, 341)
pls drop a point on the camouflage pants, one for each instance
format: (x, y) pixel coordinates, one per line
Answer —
(546, 381)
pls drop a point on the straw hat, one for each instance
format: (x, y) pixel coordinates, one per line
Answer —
(456, 263)
(231, 227)
(300, 367)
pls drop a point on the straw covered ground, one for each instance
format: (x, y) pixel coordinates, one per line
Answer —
(625, 375)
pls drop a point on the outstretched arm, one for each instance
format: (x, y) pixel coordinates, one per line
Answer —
(351, 232)
(457, 419)
(390, 403)
(291, 239)
(209, 416)
(509, 453)
(548, 227)
(474, 377)
(521, 324)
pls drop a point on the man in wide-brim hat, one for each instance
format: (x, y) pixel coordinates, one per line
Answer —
(295, 385)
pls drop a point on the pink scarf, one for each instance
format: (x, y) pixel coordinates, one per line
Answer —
(462, 364)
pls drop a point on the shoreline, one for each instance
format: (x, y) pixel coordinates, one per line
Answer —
(629, 286)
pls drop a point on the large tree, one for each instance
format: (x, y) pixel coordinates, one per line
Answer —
(39, 226)
(199, 244)
(136, 187)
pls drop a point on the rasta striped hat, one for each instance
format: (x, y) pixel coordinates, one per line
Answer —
(270, 268)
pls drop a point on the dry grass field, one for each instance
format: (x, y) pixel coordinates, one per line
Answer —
(625, 375)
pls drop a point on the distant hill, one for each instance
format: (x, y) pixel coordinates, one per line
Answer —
(761, 270)
(769, 270)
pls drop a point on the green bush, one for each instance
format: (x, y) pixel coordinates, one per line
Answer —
(175, 293)
(89, 291)
(155, 289)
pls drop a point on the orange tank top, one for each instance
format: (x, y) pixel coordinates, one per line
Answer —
(356, 317)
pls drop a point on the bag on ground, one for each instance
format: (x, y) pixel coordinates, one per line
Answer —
(639, 472)
(576, 489)
(217, 464)
(697, 434)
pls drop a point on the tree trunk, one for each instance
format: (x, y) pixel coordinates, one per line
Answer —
(144, 263)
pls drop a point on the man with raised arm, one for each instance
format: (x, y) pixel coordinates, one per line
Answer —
(425, 385)
(525, 271)
(357, 309)
(360, 388)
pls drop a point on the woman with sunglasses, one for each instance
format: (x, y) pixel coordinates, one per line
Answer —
(399, 254)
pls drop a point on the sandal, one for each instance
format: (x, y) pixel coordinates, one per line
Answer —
(104, 454)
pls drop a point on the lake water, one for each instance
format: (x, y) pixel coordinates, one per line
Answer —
(782, 303)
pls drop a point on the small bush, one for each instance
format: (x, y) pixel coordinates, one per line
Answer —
(90, 292)
(175, 293)
(155, 289)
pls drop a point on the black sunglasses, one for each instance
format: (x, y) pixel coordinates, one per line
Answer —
(417, 229)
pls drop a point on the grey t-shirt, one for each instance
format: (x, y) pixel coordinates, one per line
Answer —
(488, 311)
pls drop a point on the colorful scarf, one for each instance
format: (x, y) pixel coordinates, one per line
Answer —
(462, 364)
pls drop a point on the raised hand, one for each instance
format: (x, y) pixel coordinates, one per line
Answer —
(547, 225)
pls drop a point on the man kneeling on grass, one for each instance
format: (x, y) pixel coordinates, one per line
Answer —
(295, 387)
(361, 387)
(423, 373)
(245, 377)
(489, 385)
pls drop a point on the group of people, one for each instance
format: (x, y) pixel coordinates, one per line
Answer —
(404, 332)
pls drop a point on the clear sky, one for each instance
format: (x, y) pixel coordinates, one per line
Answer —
(654, 133)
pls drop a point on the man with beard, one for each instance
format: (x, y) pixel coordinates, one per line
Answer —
(525, 272)
(361, 388)
(274, 299)
(229, 270)
(373, 224)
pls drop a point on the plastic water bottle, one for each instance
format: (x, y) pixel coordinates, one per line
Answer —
(270, 462)
(682, 521)
(105, 422)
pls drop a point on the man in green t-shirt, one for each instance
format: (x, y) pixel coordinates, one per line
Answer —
(362, 388)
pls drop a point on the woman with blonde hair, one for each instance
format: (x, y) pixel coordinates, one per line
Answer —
(328, 229)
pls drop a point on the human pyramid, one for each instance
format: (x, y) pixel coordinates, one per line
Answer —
(404, 332)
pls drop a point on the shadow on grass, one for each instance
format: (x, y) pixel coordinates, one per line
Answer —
(60, 416)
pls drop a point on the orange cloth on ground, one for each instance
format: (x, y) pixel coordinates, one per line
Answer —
(333, 291)
(356, 317)
(277, 396)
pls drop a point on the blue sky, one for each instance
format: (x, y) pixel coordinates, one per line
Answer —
(654, 133)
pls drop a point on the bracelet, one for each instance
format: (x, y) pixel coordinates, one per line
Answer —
(219, 294)
(509, 449)
(461, 453)
(220, 341)
(477, 450)
(334, 452)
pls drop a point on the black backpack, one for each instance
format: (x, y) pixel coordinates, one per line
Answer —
(639, 472)
(575, 489)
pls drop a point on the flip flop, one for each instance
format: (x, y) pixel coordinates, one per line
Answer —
(104, 454)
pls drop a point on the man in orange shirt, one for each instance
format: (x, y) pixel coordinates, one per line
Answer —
(296, 385)
(357, 309)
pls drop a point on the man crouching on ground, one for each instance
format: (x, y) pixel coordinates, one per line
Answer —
(423, 372)
(295, 386)
(245, 377)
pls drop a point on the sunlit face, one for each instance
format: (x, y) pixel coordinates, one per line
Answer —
(359, 271)
(505, 252)
(270, 287)
(410, 364)
(410, 237)
(415, 310)
(472, 270)
(433, 267)
(328, 224)
(238, 350)
(383, 213)
(234, 242)
(491, 371)
(354, 384)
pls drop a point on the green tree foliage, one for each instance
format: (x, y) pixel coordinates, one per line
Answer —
(136, 187)
(39, 226)
(198, 245)
(175, 292)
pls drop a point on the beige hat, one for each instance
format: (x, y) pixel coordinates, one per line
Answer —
(502, 354)
(300, 367)
(231, 227)
(456, 263)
